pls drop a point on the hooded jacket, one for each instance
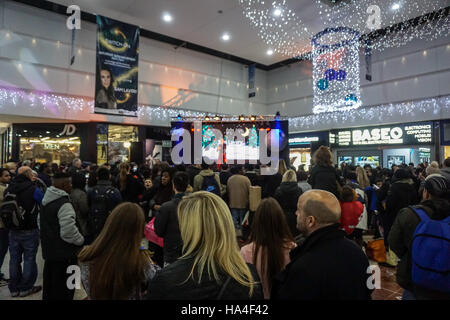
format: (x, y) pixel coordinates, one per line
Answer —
(446, 172)
(287, 195)
(400, 240)
(60, 235)
(198, 180)
(29, 197)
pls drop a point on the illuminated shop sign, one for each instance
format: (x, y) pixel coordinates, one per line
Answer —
(412, 133)
(307, 138)
(303, 140)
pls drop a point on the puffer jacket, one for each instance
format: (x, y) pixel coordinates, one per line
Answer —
(287, 195)
(170, 284)
(400, 240)
(59, 232)
(401, 194)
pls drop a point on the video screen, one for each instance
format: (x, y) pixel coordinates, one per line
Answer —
(245, 148)
(397, 160)
(374, 161)
(347, 160)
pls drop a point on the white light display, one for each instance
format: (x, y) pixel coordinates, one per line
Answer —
(288, 35)
(336, 70)
(427, 109)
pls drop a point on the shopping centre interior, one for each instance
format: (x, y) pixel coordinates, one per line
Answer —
(368, 79)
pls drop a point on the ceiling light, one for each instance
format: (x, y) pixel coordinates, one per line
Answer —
(269, 52)
(167, 17)
(226, 37)
(277, 12)
(395, 6)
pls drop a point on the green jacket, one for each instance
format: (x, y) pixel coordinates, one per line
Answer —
(400, 241)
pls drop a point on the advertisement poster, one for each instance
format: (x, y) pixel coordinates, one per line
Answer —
(116, 89)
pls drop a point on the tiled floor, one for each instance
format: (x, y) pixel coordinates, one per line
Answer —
(389, 288)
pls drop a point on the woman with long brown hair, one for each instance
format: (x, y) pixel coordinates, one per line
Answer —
(114, 267)
(270, 243)
(130, 185)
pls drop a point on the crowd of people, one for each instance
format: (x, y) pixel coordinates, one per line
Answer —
(307, 238)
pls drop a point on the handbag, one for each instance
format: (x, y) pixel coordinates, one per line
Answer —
(151, 235)
(376, 251)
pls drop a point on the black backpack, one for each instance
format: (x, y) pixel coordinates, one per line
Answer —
(11, 213)
(100, 209)
(210, 184)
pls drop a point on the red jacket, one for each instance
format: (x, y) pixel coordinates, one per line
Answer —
(351, 211)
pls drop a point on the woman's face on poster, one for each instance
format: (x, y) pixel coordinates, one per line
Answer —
(106, 78)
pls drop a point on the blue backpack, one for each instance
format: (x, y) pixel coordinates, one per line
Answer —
(210, 184)
(431, 253)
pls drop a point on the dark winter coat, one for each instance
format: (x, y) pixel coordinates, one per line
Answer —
(29, 197)
(401, 194)
(287, 195)
(46, 178)
(327, 266)
(271, 183)
(167, 227)
(324, 178)
(400, 240)
(169, 284)
(133, 190)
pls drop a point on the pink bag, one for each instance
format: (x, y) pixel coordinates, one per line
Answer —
(150, 234)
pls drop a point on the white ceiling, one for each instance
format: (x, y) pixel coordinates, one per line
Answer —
(198, 21)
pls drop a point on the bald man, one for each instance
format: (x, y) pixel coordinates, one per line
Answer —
(24, 239)
(327, 266)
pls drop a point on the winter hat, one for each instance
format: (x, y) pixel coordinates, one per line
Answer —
(438, 186)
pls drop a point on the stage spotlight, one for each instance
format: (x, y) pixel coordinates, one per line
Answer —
(253, 118)
(217, 118)
(242, 118)
(207, 118)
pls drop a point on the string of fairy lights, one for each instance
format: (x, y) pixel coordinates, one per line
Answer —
(426, 109)
(279, 26)
(346, 26)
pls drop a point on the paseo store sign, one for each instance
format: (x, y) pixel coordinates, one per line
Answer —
(412, 133)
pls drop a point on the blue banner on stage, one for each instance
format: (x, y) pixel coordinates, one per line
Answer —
(116, 90)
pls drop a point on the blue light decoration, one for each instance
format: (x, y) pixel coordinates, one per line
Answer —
(330, 74)
(339, 48)
(341, 75)
(351, 99)
(322, 84)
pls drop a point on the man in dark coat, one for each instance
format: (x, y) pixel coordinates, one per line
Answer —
(327, 266)
(166, 221)
(436, 204)
(24, 240)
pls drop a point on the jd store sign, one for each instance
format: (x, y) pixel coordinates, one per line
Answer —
(69, 130)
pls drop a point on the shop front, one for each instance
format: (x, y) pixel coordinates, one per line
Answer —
(56, 143)
(92, 142)
(384, 145)
(302, 145)
(445, 138)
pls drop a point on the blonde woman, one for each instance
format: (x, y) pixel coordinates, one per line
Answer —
(211, 266)
(362, 178)
(287, 196)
